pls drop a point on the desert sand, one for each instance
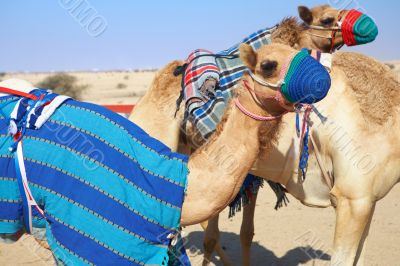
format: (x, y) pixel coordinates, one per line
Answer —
(113, 87)
(294, 235)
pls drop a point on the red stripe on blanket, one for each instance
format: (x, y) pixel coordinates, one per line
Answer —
(190, 75)
(120, 108)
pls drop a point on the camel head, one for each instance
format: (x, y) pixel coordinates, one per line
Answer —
(331, 28)
(282, 76)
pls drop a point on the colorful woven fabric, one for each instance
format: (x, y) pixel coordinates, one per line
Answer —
(358, 28)
(206, 114)
(201, 67)
(250, 187)
(111, 194)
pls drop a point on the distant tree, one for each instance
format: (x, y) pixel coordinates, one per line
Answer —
(391, 66)
(2, 75)
(62, 83)
(121, 86)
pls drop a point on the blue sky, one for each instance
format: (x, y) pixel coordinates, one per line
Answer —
(44, 35)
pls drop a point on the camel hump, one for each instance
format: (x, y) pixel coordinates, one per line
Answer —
(376, 87)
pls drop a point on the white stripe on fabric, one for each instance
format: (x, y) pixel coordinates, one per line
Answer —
(28, 194)
(50, 109)
(14, 113)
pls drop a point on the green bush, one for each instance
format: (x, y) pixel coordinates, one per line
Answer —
(62, 83)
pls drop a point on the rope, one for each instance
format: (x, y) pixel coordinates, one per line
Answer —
(18, 93)
(305, 154)
(251, 114)
(305, 133)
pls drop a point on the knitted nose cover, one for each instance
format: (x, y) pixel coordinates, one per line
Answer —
(358, 28)
(306, 80)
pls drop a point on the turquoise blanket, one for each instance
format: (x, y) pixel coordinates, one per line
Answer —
(111, 194)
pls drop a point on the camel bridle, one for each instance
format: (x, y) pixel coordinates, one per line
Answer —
(334, 30)
(278, 97)
(277, 87)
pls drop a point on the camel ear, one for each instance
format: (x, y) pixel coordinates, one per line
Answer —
(305, 14)
(248, 56)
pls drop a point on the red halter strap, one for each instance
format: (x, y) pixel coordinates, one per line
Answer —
(18, 93)
(255, 116)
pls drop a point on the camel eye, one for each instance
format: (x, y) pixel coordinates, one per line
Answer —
(268, 67)
(327, 21)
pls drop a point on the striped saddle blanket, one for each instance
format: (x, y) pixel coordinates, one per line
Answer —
(109, 193)
(205, 109)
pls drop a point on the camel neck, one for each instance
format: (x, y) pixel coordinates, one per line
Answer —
(218, 169)
(297, 36)
(237, 135)
(317, 43)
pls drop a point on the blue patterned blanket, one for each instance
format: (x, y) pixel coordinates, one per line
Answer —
(111, 194)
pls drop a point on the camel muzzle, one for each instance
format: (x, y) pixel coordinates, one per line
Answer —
(305, 79)
(358, 28)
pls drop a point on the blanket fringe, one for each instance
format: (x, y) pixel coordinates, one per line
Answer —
(245, 196)
(247, 192)
(280, 192)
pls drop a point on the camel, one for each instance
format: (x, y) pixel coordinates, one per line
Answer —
(220, 166)
(247, 136)
(167, 127)
(349, 74)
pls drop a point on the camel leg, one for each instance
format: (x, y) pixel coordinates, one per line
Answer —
(208, 244)
(211, 242)
(360, 258)
(352, 218)
(211, 238)
(247, 230)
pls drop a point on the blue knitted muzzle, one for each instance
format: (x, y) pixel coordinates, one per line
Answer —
(305, 80)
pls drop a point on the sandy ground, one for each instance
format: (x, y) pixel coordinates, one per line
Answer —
(103, 87)
(296, 235)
